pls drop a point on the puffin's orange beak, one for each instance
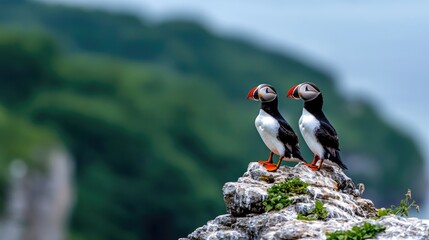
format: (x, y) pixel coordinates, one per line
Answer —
(253, 94)
(293, 92)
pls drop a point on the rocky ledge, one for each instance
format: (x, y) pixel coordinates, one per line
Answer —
(247, 219)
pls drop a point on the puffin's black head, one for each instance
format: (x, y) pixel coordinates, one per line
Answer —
(306, 91)
(263, 93)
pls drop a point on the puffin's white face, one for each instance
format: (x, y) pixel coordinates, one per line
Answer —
(263, 93)
(305, 91)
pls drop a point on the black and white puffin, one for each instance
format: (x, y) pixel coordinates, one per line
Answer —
(276, 133)
(315, 128)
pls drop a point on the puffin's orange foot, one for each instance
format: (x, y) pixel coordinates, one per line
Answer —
(313, 167)
(270, 167)
(263, 162)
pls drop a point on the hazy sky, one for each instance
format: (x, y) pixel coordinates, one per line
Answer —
(379, 49)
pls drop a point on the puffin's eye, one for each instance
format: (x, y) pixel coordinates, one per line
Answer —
(270, 90)
(306, 88)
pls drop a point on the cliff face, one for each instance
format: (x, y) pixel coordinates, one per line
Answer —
(247, 219)
(38, 200)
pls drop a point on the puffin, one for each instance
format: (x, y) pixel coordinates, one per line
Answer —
(317, 131)
(274, 130)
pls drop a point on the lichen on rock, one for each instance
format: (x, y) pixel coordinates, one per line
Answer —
(247, 219)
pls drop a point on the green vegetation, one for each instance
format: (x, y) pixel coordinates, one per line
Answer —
(156, 118)
(279, 193)
(366, 231)
(319, 212)
(402, 209)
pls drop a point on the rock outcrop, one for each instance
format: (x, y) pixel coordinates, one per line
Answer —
(247, 219)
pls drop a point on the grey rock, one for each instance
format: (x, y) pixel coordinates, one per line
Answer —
(38, 202)
(247, 219)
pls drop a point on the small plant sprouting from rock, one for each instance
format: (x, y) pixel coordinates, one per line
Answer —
(402, 209)
(366, 231)
(278, 194)
(319, 212)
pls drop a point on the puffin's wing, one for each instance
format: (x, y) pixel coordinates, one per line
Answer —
(327, 136)
(288, 137)
(286, 133)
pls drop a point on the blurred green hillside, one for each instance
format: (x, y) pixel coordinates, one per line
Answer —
(156, 119)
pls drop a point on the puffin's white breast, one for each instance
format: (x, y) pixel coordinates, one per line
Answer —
(268, 128)
(308, 125)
